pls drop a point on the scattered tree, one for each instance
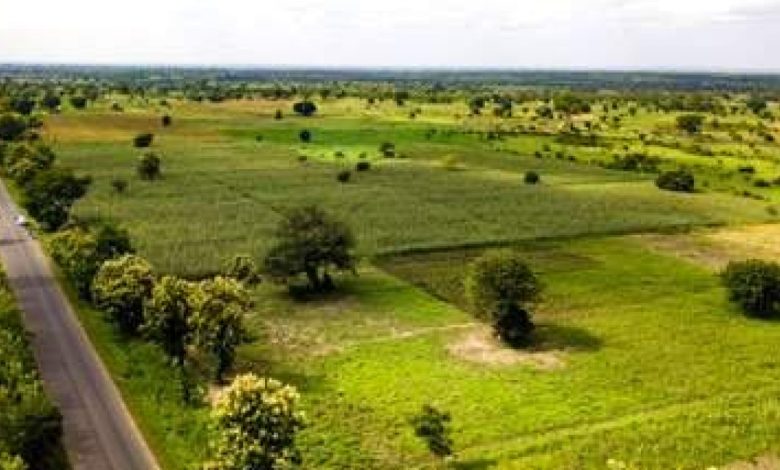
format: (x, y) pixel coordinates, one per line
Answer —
(143, 140)
(677, 180)
(149, 166)
(167, 317)
(433, 427)
(11, 127)
(166, 120)
(305, 136)
(78, 102)
(305, 108)
(755, 286)
(500, 287)
(119, 185)
(343, 176)
(120, 289)
(243, 268)
(531, 177)
(310, 242)
(690, 123)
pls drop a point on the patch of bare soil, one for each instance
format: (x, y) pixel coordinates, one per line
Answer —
(480, 347)
(715, 248)
(766, 462)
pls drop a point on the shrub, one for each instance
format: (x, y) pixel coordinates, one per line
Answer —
(167, 120)
(148, 167)
(119, 185)
(78, 102)
(433, 427)
(11, 127)
(531, 177)
(362, 166)
(387, 149)
(500, 288)
(278, 115)
(755, 286)
(678, 180)
(51, 193)
(690, 123)
(143, 140)
(305, 136)
(344, 176)
(256, 421)
(305, 108)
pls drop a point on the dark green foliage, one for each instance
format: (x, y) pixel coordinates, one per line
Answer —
(634, 162)
(756, 104)
(50, 194)
(278, 115)
(12, 127)
(78, 102)
(362, 166)
(112, 241)
(24, 161)
(309, 242)
(148, 167)
(30, 426)
(500, 287)
(305, 108)
(166, 120)
(22, 105)
(343, 176)
(676, 180)
(387, 149)
(119, 185)
(690, 123)
(531, 177)
(51, 101)
(305, 136)
(755, 286)
(143, 140)
(433, 427)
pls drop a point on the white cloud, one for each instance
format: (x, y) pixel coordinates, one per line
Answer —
(550, 33)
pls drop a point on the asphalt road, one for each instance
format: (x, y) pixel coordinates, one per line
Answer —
(99, 433)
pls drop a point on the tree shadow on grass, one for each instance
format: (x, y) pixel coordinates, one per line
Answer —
(552, 337)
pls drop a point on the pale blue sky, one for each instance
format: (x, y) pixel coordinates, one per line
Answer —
(628, 34)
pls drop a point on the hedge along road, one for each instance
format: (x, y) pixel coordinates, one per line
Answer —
(99, 432)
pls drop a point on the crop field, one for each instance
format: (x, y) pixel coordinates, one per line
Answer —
(638, 356)
(222, 188)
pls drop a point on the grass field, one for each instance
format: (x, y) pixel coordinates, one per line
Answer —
(639, 355)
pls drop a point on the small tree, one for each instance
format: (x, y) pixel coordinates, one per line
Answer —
(119, 185)
(690, 123)
(78, 102)
(11, 127)
(218, 309)
(243, 268)
(531, 177)
(387, 149)
(120, 289)
(167, 317)
(500, 288)
(755, 286)
(433, 427)
(143, 140)
(50, 194)
(343, 176)
(309, 242)
(166, 120)
(305, 108)
(256, 421)
(305, 136)
(278, 115)
(678, 180)
(149, 166)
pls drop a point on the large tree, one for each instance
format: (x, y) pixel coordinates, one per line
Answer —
(256, 421)
(218, 309)
(120, 289)
(50, 194)
(310, 242)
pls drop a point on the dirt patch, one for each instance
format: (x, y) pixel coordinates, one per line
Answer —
(715, 248)
(480, 347)
(767, 462)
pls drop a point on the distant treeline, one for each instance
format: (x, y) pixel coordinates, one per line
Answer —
(172, 77)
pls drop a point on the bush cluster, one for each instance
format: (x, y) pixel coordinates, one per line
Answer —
(755, 286)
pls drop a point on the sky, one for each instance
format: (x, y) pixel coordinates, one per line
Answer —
(711, 35)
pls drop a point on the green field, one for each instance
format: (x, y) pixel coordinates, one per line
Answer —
(639, 355)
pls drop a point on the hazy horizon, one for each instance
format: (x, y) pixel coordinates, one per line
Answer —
(721, 36)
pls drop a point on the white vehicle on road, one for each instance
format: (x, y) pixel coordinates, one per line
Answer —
(20, 220)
